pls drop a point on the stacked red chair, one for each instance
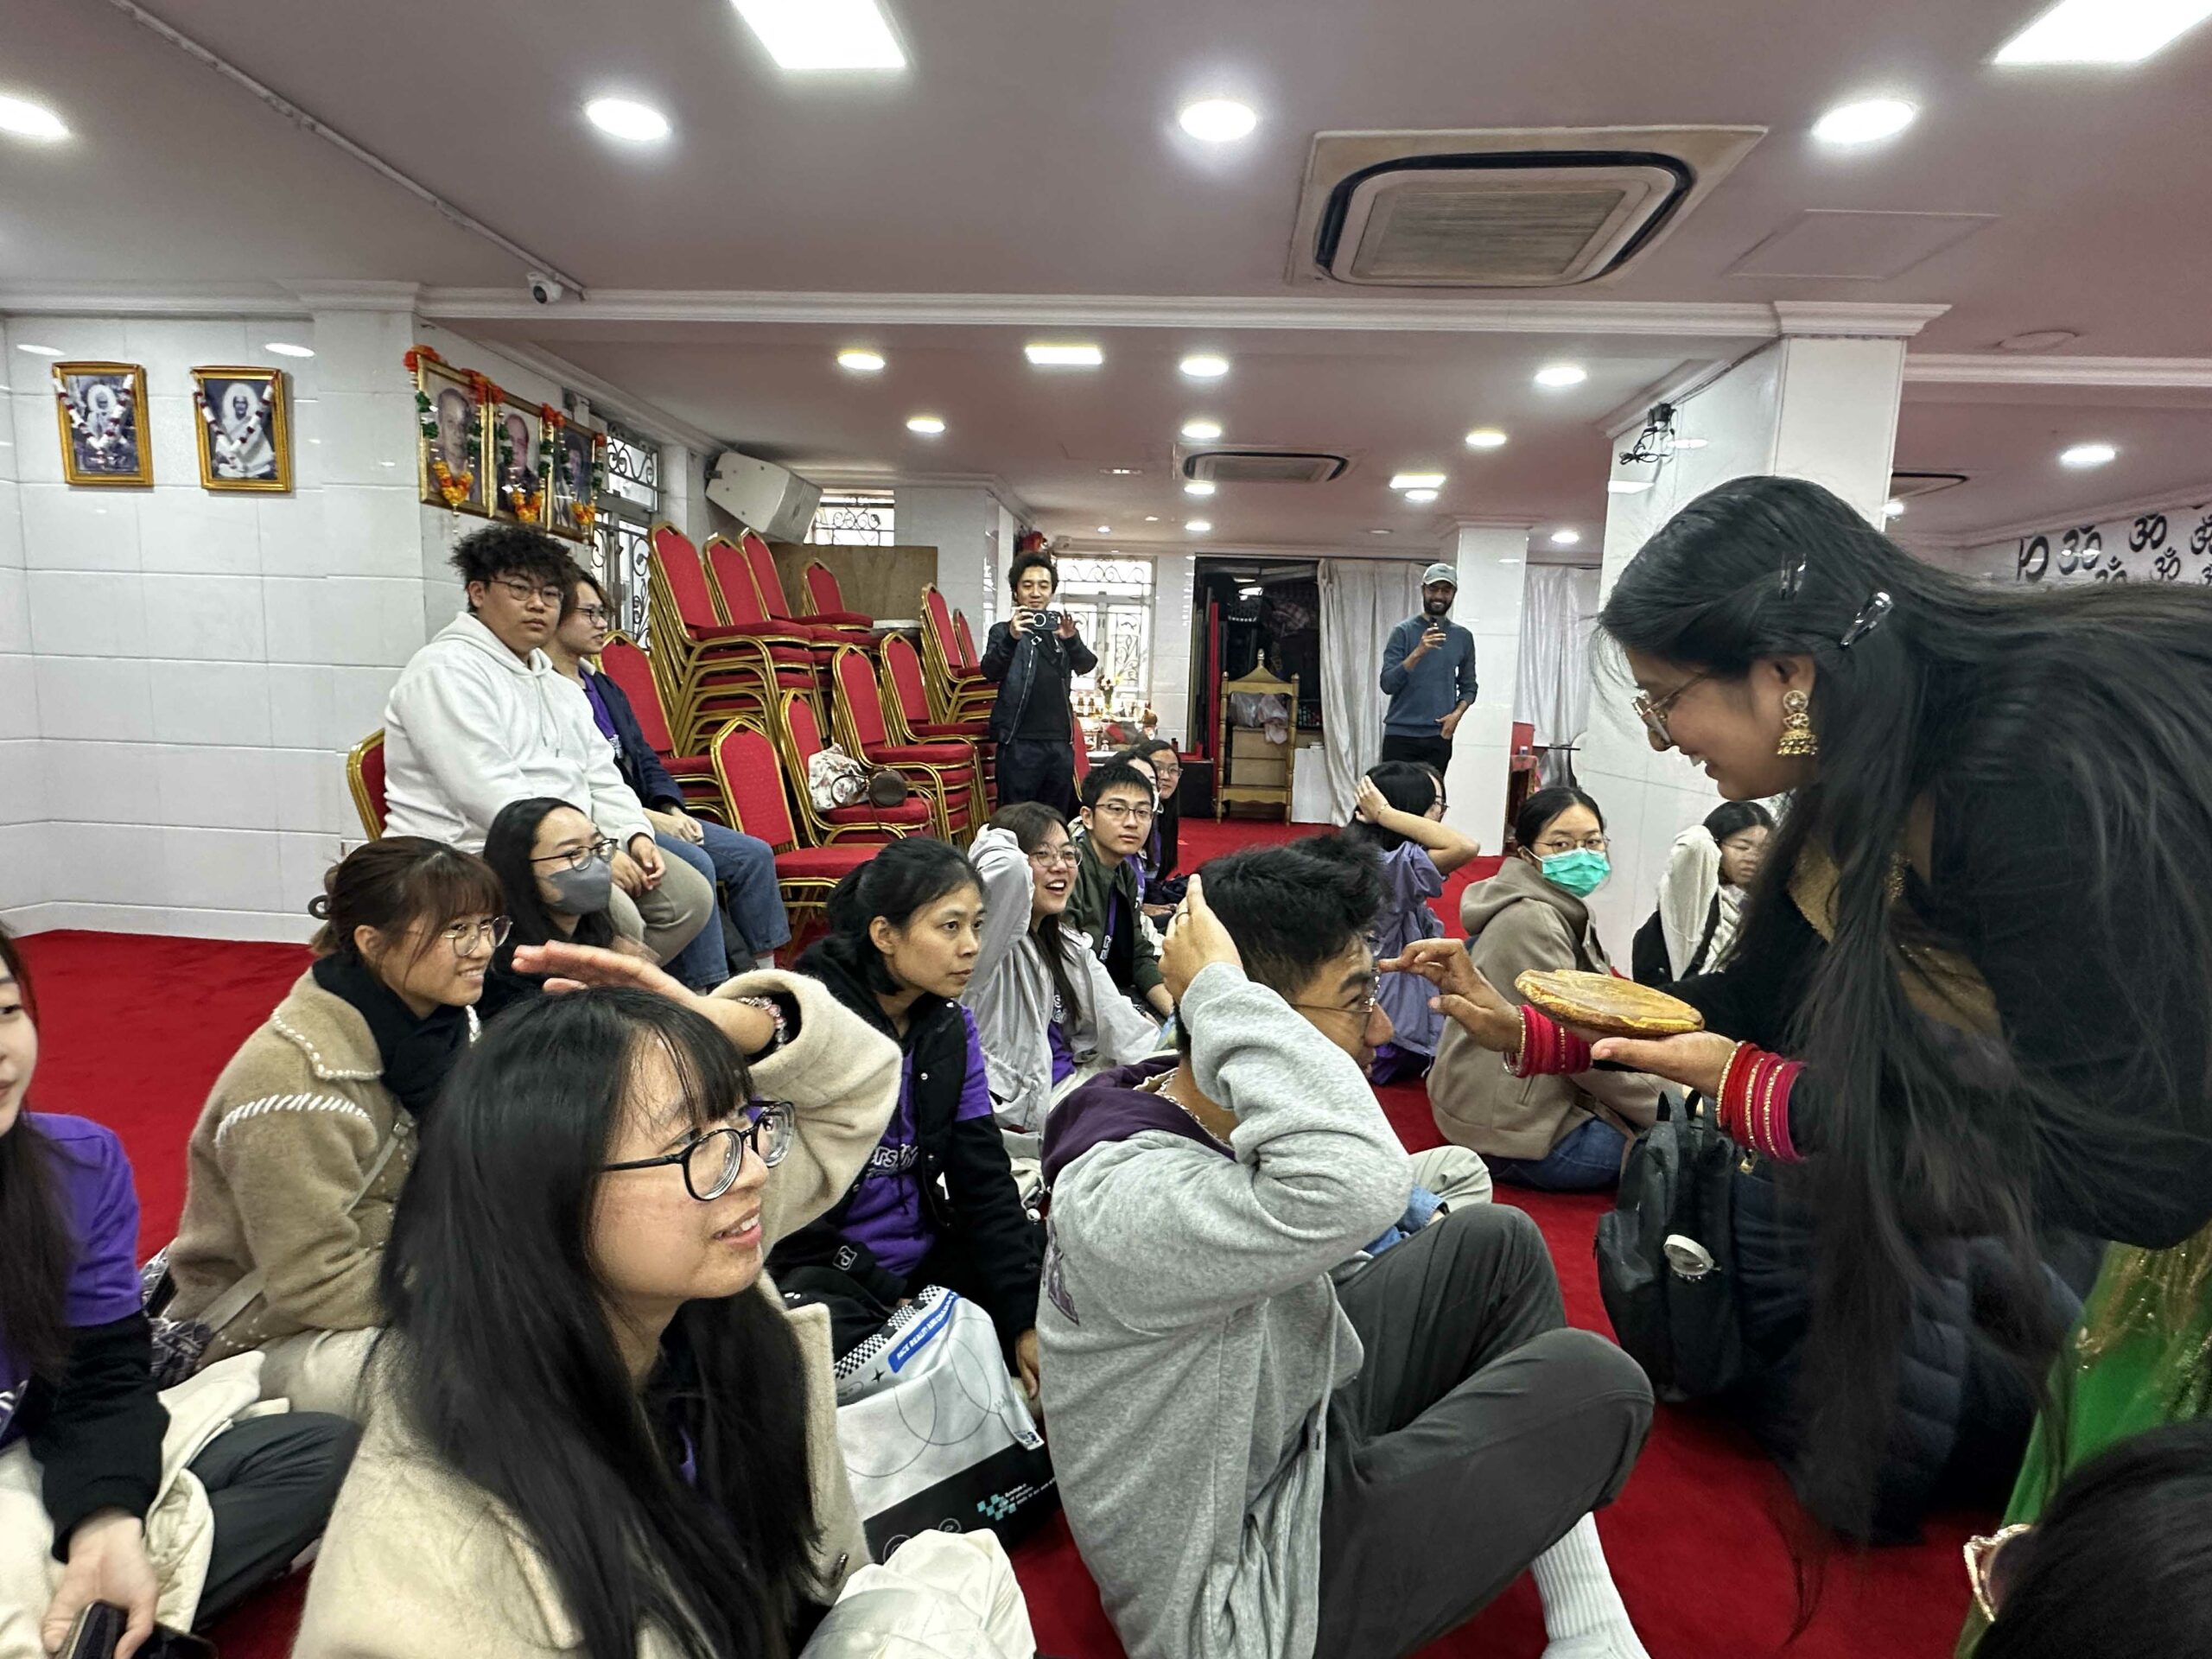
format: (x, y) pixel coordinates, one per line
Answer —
(799, 735)
(364, 777)
(825, 599)
(739, 590)
(945, 772)
(956, 693)
(625, 662)
(906, 708)
(770, 583)
(753, 784)
(709, 670)
(964, 657)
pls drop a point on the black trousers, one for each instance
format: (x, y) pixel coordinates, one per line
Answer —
(1038, 769)
(1479, 1430)
(271, 1482)
(1421, 751)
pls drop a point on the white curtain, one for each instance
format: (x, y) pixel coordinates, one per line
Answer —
(1553, 695)
(1362, 600)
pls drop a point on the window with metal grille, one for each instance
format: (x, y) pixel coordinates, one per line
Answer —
(854, 518)
(1111, 603)
(627, 507)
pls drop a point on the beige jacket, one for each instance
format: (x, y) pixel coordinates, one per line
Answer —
(1516, 920)
(419, 1562)
(289, 1132)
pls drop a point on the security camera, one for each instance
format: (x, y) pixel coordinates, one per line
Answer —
(543, 289)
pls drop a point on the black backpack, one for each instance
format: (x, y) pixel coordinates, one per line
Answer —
(1666, 1255)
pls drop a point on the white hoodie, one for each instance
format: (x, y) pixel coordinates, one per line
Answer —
(472, 727)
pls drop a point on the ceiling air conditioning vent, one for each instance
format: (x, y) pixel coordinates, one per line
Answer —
(1537, 208)
(1263, 466)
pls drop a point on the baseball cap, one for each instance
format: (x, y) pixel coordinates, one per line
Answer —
(1440, 573)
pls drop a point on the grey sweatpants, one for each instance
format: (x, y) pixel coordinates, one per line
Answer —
(1478, 1431)
(271, 1482)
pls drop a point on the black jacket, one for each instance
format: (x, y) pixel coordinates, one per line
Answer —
(640, 767)
(967, 1182)
(97, 1435)
(1015, 667)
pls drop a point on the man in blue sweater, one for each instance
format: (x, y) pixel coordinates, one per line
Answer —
(1429, 674)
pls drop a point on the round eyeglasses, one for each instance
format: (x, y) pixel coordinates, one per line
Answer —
(576, 857)
(467, 938)
(712, 1160)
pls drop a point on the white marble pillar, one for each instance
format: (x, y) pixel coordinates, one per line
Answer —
(1493, 566)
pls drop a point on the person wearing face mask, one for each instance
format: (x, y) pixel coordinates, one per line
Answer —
(937, 1203)
(555, 869)
(1563, 1134)
(1701, 895)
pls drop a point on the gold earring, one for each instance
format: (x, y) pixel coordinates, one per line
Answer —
(1797, 739)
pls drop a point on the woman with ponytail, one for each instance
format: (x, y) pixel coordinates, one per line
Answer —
(937, 1204)
(1968, 997)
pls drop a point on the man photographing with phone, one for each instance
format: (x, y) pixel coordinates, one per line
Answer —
(1429, 674)
(1031, 657)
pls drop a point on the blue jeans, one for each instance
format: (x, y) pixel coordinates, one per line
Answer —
(1587, 1159)
(745, 867)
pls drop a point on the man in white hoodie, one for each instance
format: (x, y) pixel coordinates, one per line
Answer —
(479, 718)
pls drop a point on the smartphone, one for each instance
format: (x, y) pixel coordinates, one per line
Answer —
(99, 1625)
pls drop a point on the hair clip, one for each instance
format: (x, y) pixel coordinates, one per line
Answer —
(1871, 617)
(1791, 578)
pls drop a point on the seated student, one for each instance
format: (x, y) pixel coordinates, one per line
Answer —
(83, 1461)
(745, 865)
(1701, 895)
(1157, 759)
(599, 1433)
(1401, 814)
(554, 868)
(479, 718)
(935, 1204)
(1255, 1460)
(1557, 1134)
(1108, 899)
(309, 1133)
(1045, 1010)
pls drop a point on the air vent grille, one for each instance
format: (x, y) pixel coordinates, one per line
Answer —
(1263, 466)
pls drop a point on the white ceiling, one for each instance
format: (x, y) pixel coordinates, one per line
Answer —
(1032, 150)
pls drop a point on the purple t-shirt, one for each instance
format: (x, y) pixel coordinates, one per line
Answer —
(100, 1208)
(886, 1213)
(1412, 880)
(600, 713)
(1056, 1039)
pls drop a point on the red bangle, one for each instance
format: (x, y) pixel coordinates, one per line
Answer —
(1547, 1048)
(1754, 1106)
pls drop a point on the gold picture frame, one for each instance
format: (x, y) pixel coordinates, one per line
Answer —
(449, 405)
(244, 430)
(579, 471)
(521, 479)
(100, 409)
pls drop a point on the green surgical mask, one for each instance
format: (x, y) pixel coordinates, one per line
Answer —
(1580, 872)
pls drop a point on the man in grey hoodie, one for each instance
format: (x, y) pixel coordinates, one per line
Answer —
(1256, 1462)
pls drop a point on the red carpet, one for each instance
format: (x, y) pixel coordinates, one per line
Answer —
(135, 1029)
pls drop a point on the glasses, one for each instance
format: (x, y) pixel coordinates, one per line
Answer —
(1123, 812)
(1364, 1009)
(1561, 844)
(1055, 860)
(526, 591)
(467, 938)
(711, 1162)
(1982, 1568)
(576, 857)
(1654, 713)
(594, 614)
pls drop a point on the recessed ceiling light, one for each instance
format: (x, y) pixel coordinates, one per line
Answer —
(928, 425)
(1627, 485)
(1199, 487)
(1486, 437)
(2107, 31)
(39, 351)
(1566, 537)
(1378, 533)
(1198, 526)
(860, 361)
(21, 119)
(1205, 365)
(1152, 517)
(1201, 431)
(1122, 472)
(1047, 355)
(2087, 455)
(285, 348)
(1893, 508)
(1218, 120)
(1420, 497)
(823, 34)
(1561, 374)
(638, 122)
(1866, 122)
(1105, 530)
(2038, 340)
(1417, 481)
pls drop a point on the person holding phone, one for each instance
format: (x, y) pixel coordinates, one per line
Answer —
(1429, 674)
(1031, 657)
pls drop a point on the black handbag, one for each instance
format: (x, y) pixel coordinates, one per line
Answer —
(1666, 1255)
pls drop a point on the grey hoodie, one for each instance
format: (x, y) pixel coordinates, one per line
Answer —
(1191, 1338)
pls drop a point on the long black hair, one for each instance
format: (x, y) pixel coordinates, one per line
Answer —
(1733, 818)
(2121, 1562)
(2103, 695)
(35, 1249)
(902, 879)
(1027, 823)
(1406, 784)
(1537, 812)
(501, 1355)
(508, 845)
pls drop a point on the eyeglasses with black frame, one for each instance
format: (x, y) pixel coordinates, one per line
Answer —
(576, 857)
(551, 593)
(713, 1159)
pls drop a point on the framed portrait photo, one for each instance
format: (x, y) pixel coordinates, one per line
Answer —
(245, 429)
(579, 459)
(519, 472)
(102, 411)
(450, 413)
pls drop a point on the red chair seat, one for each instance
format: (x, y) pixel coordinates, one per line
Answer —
(908, 814)
(833, 861)
(842, 620)
(920, 754)
(688, 766)
(949, 730)
(769, 631)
